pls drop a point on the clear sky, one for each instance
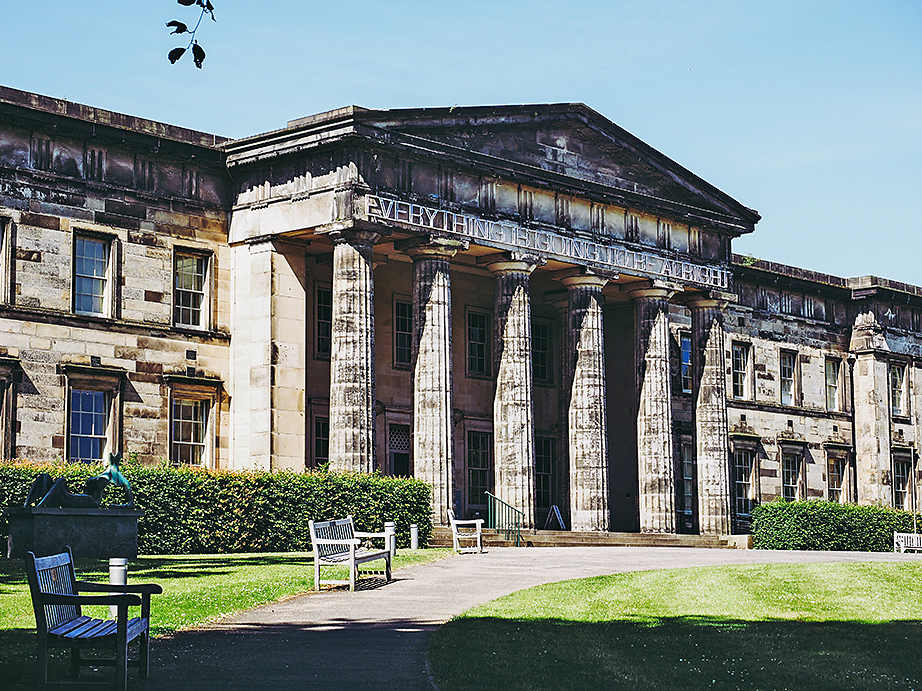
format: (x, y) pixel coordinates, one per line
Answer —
(808, 112)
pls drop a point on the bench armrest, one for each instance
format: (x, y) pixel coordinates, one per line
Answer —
(55, 599)
(472, 521)
(361, 534)
(143, 588)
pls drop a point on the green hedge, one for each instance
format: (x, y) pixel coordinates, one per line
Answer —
(827, 525)
(196, 511)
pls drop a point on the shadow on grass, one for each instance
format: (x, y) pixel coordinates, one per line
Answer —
(675, 654)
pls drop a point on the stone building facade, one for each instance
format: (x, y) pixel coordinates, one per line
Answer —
(521, 300)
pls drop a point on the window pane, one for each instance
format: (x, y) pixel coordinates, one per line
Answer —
(790, 476)
(544, 471)
(685, 342)
(541, 352)
(324, 319)
(190, 422)
(478, 467)
(91, 259)
(740, 369)
(787, 378)
(742, 482)
(832, 384)
(189, 290)
(403, 333)
(88, 412)
(477, 334)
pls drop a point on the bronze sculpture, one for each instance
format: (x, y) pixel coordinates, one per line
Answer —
(50, 493)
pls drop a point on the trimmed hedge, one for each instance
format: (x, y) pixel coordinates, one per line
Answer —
(827, 525)
(197, 511)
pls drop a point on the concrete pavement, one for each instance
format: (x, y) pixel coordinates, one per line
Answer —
(376, 638)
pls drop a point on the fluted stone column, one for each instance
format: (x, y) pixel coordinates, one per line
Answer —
(712, 440)
(587, 428)
(352, 361)
(432, 381)
(513, 404)
(656, 467)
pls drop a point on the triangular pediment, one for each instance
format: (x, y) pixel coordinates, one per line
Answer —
(564, 139)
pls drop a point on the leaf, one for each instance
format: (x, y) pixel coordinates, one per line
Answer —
(180, 28)
(186, 3)
(198, 55)
(175, 54)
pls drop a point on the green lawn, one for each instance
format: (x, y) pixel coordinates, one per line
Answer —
(196, 589)
(813, 626)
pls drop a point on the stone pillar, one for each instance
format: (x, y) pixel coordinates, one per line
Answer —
(432, 382)
(588, 435)
(712, 439)
(352, 361)
(871, 417)
(513, 404)
(656, 467)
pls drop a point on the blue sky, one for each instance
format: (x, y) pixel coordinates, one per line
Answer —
(809, 112)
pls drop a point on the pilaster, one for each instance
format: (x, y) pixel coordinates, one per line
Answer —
(352, 360)
(588, 435)
(656, 471)
(870, 398)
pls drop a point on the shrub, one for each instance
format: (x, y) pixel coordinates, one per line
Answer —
(827, 525)
(197, 511)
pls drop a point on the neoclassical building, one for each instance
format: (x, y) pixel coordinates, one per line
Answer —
(522, 300)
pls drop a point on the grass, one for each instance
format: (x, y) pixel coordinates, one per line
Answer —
(812, 626)
(196, 589)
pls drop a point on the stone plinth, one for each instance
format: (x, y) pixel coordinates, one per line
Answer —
(90, 533)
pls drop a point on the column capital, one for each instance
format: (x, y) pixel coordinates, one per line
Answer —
(431, 246)
(353, 236)
(707, 299)
(652, 289)
(512, 262)
(585, 281)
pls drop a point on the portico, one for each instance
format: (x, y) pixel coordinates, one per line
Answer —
(434, 339)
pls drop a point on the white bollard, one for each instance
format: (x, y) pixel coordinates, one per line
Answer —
(414, 536)
(390, 540)
(118, 575)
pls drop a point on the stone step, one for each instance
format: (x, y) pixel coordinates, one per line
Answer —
(441, 537)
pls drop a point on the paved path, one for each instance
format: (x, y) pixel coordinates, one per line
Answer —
(377, 638)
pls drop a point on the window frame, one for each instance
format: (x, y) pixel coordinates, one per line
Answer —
(402, 300)
(106, 380)
(686, 372)
(321, 353)
(689, 474)
(898, 395)
(110, 278)
(740, 378)
(487, 451)
(843, 493)
(392, 446)
(7, 268)
(753, 491)
(904, 460)
(793, 379)
(205, 389)
(547, 377)
(792, 491)
(487, 371)
(8, 367)
(836, 404)
(548, 476)
(206, 307)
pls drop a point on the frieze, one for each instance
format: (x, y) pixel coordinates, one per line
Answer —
(507, 235)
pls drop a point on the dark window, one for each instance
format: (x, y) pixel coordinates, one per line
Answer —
(902, 484)
(88, 425)
(321, 440)
(832, 384)
(94, 165)
(403, 333)
(791, 466)
(787, 366)
(836, 475)
(742, 482)
(41, 154)
(399, 443)
(545, 452)
(479, 451)
(685, 344)
(91, 268)
(324, 321)
(190, 290)
(541, 352)
(897, 390)
(190, 424)
(740, 367)
(688, 479)
(478, 334)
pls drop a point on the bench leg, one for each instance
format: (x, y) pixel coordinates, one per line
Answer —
(74, 663)
(144, 655)
(387, 567)
(41, 666)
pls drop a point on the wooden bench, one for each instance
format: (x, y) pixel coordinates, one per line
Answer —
(464, 531)
(337, 543)
(906, 541)
(57, 601)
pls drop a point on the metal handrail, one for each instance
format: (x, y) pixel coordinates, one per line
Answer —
(505, 518)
